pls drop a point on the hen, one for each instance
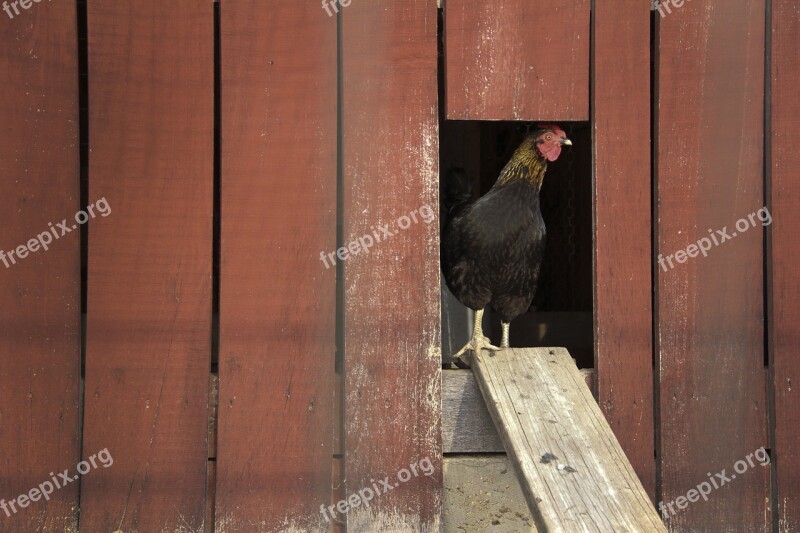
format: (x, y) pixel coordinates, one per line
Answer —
(492, 248)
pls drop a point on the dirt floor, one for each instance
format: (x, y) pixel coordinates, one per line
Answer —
(483, 494)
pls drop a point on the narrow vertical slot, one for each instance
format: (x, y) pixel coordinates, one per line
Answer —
(83, 127)
(217, 225)
(210, 525)
(767, 273)
(340, 348)
(654, 248)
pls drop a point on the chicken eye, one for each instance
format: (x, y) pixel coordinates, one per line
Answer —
(549, 137)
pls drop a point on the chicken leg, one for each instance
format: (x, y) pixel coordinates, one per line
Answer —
(479, 341)
(506, 328)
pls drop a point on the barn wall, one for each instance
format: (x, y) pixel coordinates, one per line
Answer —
(148, 347)
(710, 333)
(622, 228)
(392, 353)
(277, 300)
(709, 403)
(335, 119)
(40, 323)
(495, 62)
(783, 258)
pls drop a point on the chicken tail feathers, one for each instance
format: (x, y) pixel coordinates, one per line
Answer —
(457, 191)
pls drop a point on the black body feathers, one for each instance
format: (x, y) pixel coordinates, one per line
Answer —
(492, 249)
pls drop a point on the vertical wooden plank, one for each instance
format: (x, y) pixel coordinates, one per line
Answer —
(39, 293)
(623, 232)
(710, 309)
(278, 299)
(392, 331)
(149, 300)
(517, 59)
(785, 279)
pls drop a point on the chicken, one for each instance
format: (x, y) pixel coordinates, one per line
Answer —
(492, 248)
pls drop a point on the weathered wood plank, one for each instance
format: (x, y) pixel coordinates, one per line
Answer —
(785, 256)
(517, 59)
(149, 296)
(572, 469)
(213, 415)
(391, 316)
(40, 325)
(211, 498)
(590, 378)
(467, 426)
(710, 330)
(338, 494)
(623, 232)
(277, 298)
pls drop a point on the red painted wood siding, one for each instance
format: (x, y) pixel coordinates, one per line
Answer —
(391, 315)
(785, 257)
(148, 338)
(623, 232)
(278, 301)
(517, 59)
(40, 324)
(713, 412)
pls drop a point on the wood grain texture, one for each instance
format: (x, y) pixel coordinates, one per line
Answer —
(590, 378)
(467, 426)
(213, 415)
(40, 324)
(713, 412)
(517, 59)
(572, 469)
(622, 211)
(338, 494)
(211, 500)
(785, 256)
(391, 328)
(149, 296)
(277, 299)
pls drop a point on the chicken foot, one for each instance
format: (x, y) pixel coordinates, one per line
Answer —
(479, 341)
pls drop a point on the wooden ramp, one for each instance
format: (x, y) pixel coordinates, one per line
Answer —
(572, 469)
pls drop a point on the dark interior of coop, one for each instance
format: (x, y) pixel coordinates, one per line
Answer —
(561, 312)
